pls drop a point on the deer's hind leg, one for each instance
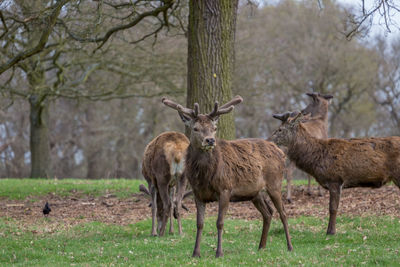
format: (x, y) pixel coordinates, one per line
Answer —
(263, 207)
(171, 213)
(180, 190)
(153, 195)
(163, 191)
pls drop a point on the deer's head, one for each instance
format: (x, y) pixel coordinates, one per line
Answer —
(319, 104)
(203, 126)
(286, 133)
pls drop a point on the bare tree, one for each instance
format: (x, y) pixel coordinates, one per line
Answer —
(361, 17)
(61, 67)
(388, 82)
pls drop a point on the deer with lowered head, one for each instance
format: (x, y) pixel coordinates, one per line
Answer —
(162, 167)
(340, 163)
(228, 171)
(318, 109)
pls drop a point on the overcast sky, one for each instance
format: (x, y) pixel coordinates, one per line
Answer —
(378, 21)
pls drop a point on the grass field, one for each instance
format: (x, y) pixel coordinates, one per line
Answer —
(361, 241)
(23, 188)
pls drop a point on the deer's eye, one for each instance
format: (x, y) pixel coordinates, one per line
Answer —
(195, 129)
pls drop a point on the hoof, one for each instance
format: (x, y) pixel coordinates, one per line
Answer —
(289, 200)
(219, 255)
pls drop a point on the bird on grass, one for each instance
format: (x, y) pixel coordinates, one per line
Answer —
(46, 209)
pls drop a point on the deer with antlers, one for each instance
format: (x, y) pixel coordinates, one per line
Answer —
(228, 171)
(318, 127)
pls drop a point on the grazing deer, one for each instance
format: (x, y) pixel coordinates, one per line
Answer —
(224, 171)
(318, 108)
(340, 163)
(162, 167)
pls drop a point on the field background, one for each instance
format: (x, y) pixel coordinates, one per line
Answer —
(106, 223)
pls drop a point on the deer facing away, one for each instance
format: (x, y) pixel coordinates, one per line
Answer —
(162, 166)
(225, 171)
(318, 109)
(340, 163)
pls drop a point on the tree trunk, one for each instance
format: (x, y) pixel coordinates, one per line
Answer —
(211, 37)
(39, 140)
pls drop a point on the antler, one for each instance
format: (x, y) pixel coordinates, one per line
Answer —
(226, 108)
(187, 111)
(236, 100)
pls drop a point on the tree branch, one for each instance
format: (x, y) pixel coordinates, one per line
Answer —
(102, 40)
(42, 42)
(4, 24)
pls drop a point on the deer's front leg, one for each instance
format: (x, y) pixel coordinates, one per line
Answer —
(222, 208)
(201, 208)
(334, 198)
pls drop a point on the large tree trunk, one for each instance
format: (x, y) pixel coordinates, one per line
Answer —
(211, 37)
(39, 140)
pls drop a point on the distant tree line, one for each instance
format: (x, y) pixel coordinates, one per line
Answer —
(87, 102)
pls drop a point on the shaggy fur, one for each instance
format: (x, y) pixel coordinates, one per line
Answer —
(225, 171)
(162, 166)
(340, 163)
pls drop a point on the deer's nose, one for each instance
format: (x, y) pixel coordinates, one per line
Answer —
(210, 141)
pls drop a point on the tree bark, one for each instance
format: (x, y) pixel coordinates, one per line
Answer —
(211, 37)
(39, 139)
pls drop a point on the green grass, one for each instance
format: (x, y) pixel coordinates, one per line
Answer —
(360, 241)
(23, 188)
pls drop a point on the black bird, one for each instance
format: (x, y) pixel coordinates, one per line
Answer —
(46, 209)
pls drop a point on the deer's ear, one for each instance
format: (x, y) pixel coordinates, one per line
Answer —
(282, 117)
(313, 96)
(186, 120)
(327, 97)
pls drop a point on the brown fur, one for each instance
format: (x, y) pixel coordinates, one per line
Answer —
(341, 163)
(318, 127)
(162, 167)
(225, 171)
(243, 167)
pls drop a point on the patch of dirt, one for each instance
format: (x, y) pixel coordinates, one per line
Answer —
(76, 209)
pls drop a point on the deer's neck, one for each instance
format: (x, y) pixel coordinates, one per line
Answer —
(202, 162)
(201, 170)
(306, 151)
